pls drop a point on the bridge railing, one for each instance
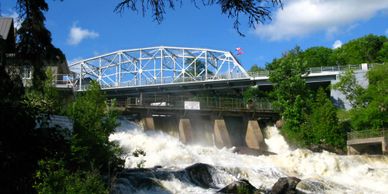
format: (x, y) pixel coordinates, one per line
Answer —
(64, 81)
(367, 134)
(171, 80)
(206, 103)
(322, 69)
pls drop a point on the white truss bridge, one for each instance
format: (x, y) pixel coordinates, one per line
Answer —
(160, 65)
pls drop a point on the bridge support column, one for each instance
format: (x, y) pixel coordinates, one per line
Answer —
(384, 146)
(185, 131)
(148, 123)
(254, 138)
(221, 134)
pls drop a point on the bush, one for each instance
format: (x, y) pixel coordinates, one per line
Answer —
(52, 177)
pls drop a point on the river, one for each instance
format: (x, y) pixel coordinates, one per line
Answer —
(320, 172)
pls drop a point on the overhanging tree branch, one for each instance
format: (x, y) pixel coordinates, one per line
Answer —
(257, 11)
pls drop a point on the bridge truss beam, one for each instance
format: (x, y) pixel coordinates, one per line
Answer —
(157, 65)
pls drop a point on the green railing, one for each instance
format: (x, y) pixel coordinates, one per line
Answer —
(367, 134)
(206, 103)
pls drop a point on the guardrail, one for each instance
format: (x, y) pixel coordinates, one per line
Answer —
(367, 134)
(322, 69)
(206, 103)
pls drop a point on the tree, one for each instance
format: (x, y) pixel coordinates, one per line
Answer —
(291, 94)
(360, 50)
(374, 113)
(94, 121)
(258, 11)
(322, 123)
(317, 57)
(255, 69)
(53, 177)
(350, 88)
(34, 45)
(383, 53)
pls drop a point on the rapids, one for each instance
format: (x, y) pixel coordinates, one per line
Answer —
(320, 172)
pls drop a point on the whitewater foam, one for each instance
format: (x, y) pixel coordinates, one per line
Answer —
(337, 174)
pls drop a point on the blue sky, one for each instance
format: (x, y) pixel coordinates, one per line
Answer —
(83, 29)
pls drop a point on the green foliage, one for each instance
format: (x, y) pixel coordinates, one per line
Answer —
(367, 49)
(317, 56)
(310, 118)
(256, 69)
(323, 124)
(350, 88)
(374, 115)
(94, 121)
(383, 53)
(291, 94)
(286, 75)
(362, 50)
(52, 177)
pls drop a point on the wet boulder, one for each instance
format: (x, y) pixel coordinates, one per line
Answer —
(310, 187)
(240, 187)
(201, 175)
(279, 123)
(252, 152)
(138, 180)
(285, 185)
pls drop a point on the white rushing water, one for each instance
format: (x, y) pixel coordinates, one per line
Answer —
(323, 172)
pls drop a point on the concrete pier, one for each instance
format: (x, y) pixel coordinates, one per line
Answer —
(148, 123)
(221, 134)
(185, 131)
(254, 137)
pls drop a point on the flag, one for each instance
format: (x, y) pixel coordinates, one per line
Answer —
(239, 51)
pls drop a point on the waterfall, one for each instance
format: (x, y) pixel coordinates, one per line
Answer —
(320, 172)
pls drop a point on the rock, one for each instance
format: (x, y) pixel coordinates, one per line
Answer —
(239, 187)
(285, 185)
(279, 123)
(324, 147)
(138, 180)
(201, 175)
(310, 187)
(253, 152)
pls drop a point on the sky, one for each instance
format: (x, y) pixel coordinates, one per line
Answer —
(87, 28)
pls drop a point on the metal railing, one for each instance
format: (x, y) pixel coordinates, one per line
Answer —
(322, 69)
(206, 103)
(367, 134)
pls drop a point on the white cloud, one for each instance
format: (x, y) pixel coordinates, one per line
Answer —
(386, 32)
(302, 17)
(16, 20)
(77, 34)
(337, 44)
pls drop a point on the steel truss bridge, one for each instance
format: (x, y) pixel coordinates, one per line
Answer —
(174, 70)
(152, 66)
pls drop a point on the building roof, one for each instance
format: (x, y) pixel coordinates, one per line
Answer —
(6, 25)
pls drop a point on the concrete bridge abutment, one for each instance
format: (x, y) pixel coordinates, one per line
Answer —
(148, 123)
(221, 134)
(241, 131)
(185, 131)
(254, 137)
